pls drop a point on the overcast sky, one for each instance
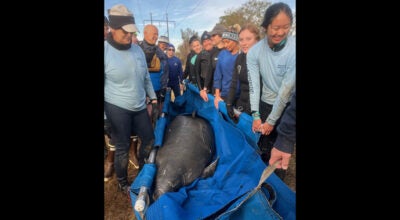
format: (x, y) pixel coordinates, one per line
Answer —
(198, 15)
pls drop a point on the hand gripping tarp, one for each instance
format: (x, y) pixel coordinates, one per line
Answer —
(238, 172)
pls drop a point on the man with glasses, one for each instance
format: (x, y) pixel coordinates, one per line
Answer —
(175, 70)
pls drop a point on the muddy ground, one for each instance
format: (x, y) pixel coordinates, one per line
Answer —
(118, 207)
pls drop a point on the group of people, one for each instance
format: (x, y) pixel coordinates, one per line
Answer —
(252, 75)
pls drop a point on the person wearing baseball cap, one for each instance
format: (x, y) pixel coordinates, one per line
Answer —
(218, 30)
(175, 70)
(163, 42)
(216, 36)
(121, 17)
(216, 40)
(126, 84)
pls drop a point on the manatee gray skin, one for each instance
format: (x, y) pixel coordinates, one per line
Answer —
(188, 148)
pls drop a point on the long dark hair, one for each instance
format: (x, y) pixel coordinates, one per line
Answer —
(273, 10)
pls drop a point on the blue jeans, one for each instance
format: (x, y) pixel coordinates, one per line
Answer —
(123, 124)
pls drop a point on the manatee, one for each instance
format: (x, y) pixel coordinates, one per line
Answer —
(186, 154)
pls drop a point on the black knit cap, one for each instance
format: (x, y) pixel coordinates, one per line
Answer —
(205, 36)
(193, 38)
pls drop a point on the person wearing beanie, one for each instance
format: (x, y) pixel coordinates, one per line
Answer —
(175, 70)
(226, 61)
(206, 40)
(216, 40)
(126, 86)
(272, 67)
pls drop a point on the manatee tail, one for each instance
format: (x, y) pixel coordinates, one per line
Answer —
(210, 169)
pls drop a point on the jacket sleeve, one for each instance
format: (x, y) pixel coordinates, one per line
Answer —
(180, 71)
(253, 76)
(286, 129)
(205, 65)
(218, 74)
(165, 69)
(186, 72)
(233, 86)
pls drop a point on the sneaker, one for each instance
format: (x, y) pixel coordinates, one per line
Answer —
(108, 171)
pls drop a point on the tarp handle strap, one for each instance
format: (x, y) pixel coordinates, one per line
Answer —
(265, 174)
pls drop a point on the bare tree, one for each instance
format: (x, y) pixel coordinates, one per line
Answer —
(250, 12)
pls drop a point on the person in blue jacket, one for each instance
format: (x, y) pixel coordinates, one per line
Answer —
(175, 70)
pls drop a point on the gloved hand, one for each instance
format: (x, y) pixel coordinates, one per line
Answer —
(154, 112)
(231, 114)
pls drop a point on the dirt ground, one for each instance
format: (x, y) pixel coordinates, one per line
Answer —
(118, 207)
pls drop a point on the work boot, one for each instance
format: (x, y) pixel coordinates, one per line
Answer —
(109, 165)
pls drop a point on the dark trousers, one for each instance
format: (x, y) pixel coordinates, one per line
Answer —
(123, 124)
(266, 142)
(176, 88)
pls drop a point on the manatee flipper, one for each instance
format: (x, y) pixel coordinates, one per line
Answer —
(210, 169)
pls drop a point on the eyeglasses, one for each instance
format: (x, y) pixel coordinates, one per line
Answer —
(171, 50)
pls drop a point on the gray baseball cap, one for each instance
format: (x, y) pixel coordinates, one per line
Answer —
(218, 29)
(121, 17)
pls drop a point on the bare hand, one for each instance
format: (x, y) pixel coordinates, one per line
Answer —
(266, 128)
(280, 155)
(217, 100)
(256, 127)
(203, 95)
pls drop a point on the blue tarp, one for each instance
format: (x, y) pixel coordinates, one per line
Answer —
(238, 171)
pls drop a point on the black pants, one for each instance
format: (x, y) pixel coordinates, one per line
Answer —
(266, 142)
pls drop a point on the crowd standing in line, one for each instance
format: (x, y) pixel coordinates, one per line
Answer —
(255, 76)
(126, 84)
(274, 59)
